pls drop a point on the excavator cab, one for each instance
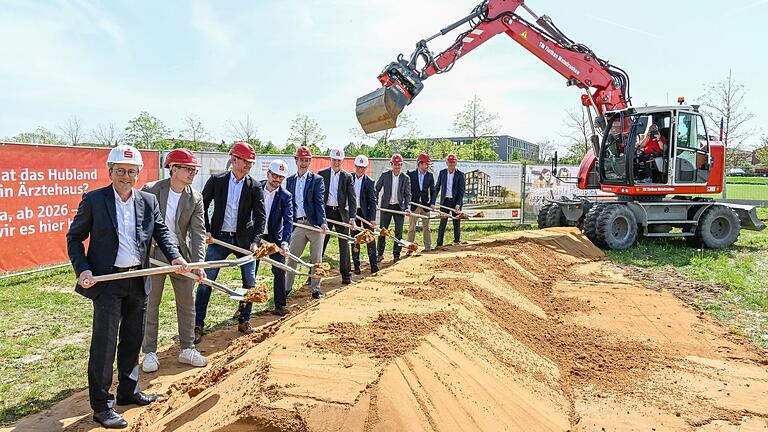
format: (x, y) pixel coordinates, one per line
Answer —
(658, 151)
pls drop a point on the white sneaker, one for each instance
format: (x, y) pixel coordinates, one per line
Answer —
(192, 357)
(150, 363)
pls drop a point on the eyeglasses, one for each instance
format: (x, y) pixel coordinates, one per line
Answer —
(122, 171)
(242, 160)
(191, 170)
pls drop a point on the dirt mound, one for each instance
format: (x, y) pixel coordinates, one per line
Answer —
(522, 331)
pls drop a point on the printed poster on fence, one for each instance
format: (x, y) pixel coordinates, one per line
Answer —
(542, 183)
(40, 189)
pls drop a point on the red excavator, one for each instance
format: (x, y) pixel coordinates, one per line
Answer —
(685, 160)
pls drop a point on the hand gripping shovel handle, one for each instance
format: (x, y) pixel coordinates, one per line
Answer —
(171, 269)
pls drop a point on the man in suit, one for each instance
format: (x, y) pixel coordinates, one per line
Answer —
(340, 205)
(278, 207)
(308, 192)
(120, 222)
(366, 209)
(450, 186)
(238, 219)
(396, 196)
(182, 209)
(422, 192)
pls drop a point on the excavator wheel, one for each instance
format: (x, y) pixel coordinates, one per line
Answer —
(541, 218)
(589, 225)
(617, 227)
(718, 227)
(555, 216)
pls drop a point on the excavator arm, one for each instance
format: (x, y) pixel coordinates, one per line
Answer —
(606, 87)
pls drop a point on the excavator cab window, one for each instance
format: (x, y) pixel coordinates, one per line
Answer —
(692, 149)
(613, 155)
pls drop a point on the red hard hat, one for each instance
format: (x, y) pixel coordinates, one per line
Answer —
(423, 158)
(396, 158)
(180, 156)
(303, 152)
(243, 150)
(452, 158)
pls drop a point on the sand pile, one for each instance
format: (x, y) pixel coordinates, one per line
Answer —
(523, 331)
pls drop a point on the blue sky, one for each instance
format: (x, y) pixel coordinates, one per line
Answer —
(107, 61)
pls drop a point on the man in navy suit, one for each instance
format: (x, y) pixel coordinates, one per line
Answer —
(308, 191)
(450, 186)
(278, 207)
(341, 206)
(365, 192)
(121, 222)
(422, 192)
(238, 219)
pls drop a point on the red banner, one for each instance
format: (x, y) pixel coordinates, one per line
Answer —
(40, 189)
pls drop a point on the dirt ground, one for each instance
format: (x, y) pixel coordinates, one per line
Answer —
(523, 331)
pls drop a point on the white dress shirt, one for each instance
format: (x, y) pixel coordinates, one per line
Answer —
(358, 187)
(171, 207)
(449, 184)
(395, 187)
(269, 198)
(333, 189)
(299, 195)
(128, 247)
(234, 190)
(421, 179)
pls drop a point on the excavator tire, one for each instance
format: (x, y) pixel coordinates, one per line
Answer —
(555, 216)
(718, 227)
(541, 218)
(590, 223)
(617, 227)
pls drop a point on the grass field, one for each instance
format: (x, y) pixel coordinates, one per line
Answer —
(45, 330)
(747, 191)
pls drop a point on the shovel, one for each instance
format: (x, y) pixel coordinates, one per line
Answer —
(441, 214)
(267, 260)
(236, 294)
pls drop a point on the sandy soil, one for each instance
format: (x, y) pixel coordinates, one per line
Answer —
(524, 331)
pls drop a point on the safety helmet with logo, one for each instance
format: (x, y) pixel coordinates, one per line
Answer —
(423, 158)
(180, 156)
(452, 158)
(396, 158)
(303, 152)
(361, 161)
(244, 151)
(279, 167)
(337, 154)
(125, 154)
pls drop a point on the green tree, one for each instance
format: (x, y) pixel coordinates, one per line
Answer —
(480, 149)
(306, 131)
(762, 152)
(40, 135)
(440, 149)
(475, 121)
(144, 130)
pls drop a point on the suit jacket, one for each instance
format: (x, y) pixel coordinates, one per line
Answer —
(97, 218)
(425, 195)
(250, 210)
(280, 217)
(190, 219)
(458, 186)
(367, 200)
(345, 194)
(314, 191)
(403, 189)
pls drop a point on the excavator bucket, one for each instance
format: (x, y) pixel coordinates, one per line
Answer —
(378, 110)
(748, 216)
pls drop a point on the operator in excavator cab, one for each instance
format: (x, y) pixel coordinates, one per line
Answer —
(650, 153)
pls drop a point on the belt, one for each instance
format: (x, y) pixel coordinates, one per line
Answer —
(332, 207)
(301, 219)
(124, 269)
(229, 233)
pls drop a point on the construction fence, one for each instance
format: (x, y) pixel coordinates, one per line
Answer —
(41, 187)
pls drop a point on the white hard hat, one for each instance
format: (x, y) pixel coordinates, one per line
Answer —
(361, 161)
(279, 167)
(337, 154)
(125, 154)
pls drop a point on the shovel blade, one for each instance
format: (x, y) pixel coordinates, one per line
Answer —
(378, 110)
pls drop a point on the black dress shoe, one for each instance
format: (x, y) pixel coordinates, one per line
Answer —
(395, 259)
(110, 419)
(380, 258)
(317, 295)
(138, 399)
(374, 269)
(357, 271)
(346, 281)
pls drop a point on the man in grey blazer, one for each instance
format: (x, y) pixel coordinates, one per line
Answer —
(182, 208)
(396, 196)
(340, 205)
